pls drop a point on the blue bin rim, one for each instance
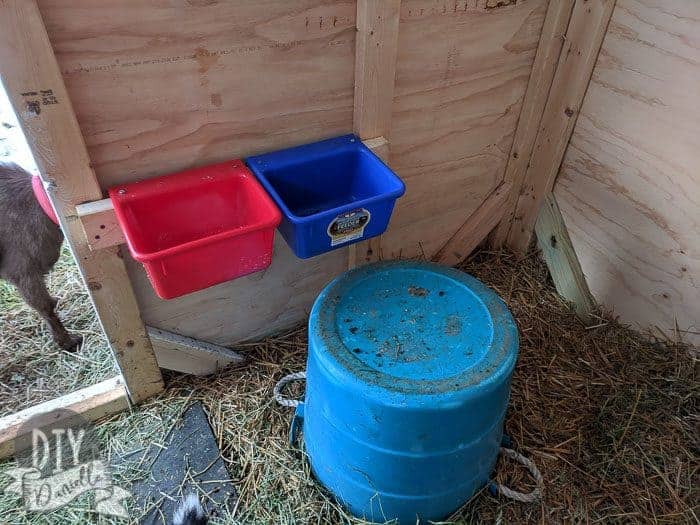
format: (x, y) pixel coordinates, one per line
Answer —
(336, 359)
(252, 163)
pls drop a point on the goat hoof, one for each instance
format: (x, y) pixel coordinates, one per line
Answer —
(72, 344)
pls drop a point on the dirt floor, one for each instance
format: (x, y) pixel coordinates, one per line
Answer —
(609, 416)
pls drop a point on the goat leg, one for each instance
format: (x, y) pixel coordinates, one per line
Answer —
(33, 289)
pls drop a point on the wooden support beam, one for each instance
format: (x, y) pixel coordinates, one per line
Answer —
(560, 256)
(368, 251)
(475, 229)
(375, 68)
(35, 87)
(91, 403)
(100, 224)
(546, 59)
(191, 356)
(584, 37)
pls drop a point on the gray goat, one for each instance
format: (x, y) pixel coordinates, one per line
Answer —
(30, 244)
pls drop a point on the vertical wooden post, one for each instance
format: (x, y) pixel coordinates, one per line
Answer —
(584, 37)
(375, 68)
(35, 87)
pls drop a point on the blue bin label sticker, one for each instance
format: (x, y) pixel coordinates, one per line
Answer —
(348, 226)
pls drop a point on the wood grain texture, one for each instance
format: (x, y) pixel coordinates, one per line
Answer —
(629, 188)
(163, 86)
(100, 224)
(555, 244)
(370, 250)
(191, 356)
(475, 229)
(375, 66)
(461, 76)
(94, 402)
(538, 87)
(584, 36)
(247, 308)
(375, 70)
(37, 92)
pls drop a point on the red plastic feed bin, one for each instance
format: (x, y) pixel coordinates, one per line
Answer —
(199, 227)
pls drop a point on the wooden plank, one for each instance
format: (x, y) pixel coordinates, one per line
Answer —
(379, 146)
(91, 403)
(370, 250)
(100, 224)
(37, 92)
(375, 68)
(629, 187)
(475, 229)
(247, 308)
(584, 36)
(538, 87)
(191, 356)
(559, 254)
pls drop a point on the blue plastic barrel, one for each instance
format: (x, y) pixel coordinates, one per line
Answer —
(408, 379)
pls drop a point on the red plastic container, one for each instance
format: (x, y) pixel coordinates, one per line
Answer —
(199, 227)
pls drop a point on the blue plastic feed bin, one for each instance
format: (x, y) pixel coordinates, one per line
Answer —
(331, 193)
(408, 379)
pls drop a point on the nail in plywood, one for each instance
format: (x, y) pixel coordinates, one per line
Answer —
(548, 51)
(629, 186)
(584, 36)
(35, 87)
(91, 403)
(560, 256)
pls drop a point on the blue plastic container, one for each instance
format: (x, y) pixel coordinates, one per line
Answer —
(331, 193)
(408, 379)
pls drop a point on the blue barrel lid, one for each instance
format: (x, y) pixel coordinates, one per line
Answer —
(413, 329)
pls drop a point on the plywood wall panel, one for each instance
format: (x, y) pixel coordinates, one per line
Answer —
(247, 308)
(162, 86)
(461, 75)
(629, 188)
(170, 84)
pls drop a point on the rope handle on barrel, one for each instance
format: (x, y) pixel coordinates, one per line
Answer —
(277, 391)
(530, 497)
(495, 488)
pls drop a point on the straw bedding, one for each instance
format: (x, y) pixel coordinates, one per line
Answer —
(610, 417)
